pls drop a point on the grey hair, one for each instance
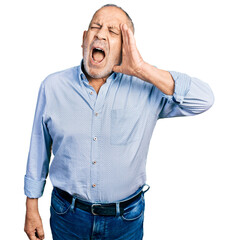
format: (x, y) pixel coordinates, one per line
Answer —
(114, 5)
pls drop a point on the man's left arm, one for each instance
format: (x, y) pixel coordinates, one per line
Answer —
(182, 95)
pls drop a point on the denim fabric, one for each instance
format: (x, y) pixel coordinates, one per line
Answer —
(70, 223)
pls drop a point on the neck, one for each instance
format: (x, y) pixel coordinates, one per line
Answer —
(91, 79)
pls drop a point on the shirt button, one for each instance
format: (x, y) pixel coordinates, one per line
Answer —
(95, 138)
(96, 114)
(94, 162)
(91, 93)
(94, 185)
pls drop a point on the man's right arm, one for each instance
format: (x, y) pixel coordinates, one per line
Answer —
(40, 149)
(37, 167)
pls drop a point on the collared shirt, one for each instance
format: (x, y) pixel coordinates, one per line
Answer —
(100, 141)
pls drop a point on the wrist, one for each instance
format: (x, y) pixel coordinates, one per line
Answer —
(32, 204)
(143, 71)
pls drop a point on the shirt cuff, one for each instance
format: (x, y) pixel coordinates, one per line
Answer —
(182, 85)
(33, 188)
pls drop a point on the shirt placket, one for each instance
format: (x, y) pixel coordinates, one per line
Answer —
(97, 102)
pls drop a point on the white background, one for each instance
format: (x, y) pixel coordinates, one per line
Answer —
(192, 163)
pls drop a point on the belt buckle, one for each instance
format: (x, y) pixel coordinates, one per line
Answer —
(94, 204)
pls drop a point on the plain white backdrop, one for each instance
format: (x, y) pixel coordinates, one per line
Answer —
(192, 161)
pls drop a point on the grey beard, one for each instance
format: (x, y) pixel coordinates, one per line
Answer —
(99, 75)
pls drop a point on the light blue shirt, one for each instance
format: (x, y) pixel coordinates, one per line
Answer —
(100, 141)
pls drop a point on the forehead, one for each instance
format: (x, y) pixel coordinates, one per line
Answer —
(110, 15)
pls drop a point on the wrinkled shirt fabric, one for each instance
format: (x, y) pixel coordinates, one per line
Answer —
(95, 145)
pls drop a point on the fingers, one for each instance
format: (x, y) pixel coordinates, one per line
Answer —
(32, 236)
(131, 38)
(124, 34)
(40, 232)
(129, 42)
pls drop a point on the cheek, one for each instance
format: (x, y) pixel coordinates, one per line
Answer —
(117, 51)
(86, 43)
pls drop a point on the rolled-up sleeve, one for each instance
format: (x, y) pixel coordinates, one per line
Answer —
(40, 150)
(191, 96)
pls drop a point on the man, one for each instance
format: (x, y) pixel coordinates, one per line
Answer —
(98, 118)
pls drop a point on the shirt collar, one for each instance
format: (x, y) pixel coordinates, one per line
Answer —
(83, 77)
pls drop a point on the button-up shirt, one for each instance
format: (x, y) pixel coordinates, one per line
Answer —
(100, 141)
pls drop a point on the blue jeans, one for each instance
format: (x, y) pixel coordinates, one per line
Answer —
(70, 223)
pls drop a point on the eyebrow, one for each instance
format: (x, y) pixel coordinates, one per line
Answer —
(113, 27)
(97, 24)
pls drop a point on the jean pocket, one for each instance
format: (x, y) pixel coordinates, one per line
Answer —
(58, 204)
(135, 210)
(124, 125)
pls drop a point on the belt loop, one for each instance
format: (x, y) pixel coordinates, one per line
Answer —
(73, 203)
(146, 189)
(117, 209)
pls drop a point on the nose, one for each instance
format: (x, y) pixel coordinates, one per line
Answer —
(101, 34)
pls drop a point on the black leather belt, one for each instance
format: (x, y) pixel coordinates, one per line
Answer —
(105, 209)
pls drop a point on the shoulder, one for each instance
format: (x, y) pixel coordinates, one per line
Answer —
(59, 77)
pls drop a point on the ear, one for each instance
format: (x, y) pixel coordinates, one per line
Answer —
(84, 36)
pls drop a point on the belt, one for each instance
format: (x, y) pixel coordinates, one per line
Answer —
(104, 209)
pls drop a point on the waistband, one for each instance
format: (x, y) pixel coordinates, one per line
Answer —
(106, 209)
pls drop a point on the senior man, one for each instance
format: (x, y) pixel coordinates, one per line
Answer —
(98, 118)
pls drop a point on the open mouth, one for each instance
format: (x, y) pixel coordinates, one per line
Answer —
(98, 55)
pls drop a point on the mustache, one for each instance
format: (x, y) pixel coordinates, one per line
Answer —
(99, 43)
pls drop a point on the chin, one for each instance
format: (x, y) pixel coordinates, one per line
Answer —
(101, 74)
(97, 73)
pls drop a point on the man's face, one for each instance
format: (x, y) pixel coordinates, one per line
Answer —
(102, 43)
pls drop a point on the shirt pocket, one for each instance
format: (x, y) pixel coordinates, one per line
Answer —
(124, 126)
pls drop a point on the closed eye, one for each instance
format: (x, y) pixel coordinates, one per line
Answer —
(99, 27)
(114, 32)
